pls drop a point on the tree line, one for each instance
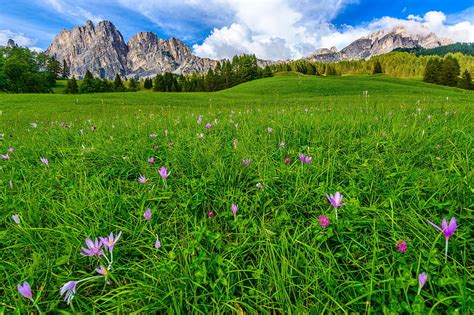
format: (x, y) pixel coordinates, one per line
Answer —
(26, 71)
(446, 72)
(90, 84)
(463, 48)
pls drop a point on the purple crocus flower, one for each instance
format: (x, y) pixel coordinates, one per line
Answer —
(210, 214)
(25, 290)
(147, 214)
(335, 200)
(402, 246)
(301, 157)
(16, 218)
(199, 120)
(142, 179)
(94, 248)
(307, 159)
(151, 160)
(324, 220)
(234, 209)
(163, 172)
(102, 270)
(422, 277)
(287, 160)
(44, 161)
(10, 150)
(208, 126)
(157, 243)
(70, 289)
(5, 156)
(109, 242)
(447, 230)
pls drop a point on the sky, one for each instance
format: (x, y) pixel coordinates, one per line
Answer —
(271, 29)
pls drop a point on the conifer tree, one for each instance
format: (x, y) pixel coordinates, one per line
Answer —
(66, 70)
(465, 82)
(118, 84)
(71, 86)
(377, 68)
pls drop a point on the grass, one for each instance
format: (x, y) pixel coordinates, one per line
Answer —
(400, 155)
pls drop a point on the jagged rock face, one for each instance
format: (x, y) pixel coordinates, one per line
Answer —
(11, 43)
(149, 55)
(379, 43)
(99, 49)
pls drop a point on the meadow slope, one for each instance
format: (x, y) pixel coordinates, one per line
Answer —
(399, 151)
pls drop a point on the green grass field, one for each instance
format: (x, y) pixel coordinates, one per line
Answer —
(400, 153)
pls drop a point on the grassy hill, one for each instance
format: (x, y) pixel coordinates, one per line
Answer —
(400, 154)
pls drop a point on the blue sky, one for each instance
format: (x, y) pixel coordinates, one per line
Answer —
(273, 29)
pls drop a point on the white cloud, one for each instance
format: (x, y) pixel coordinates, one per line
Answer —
(19, 38)
(71, 10)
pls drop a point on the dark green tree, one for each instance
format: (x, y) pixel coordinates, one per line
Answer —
(450, 71)
(148, 84)
(71, 86)
(88, 84)
(377, 68)
(465, 82)
(118, 84)
(133, 85)
(66, 70)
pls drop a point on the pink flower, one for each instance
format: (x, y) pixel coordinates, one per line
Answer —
(102, 270)
(307, 159)
(69, 288)
(301, 157)
(210, 214)
(422, 277)
(155, 147)
(5, 156)
(447, 230)
(246, 162)
(324, 220)
(93, 248)
(10, 150)
(234, 209)
(25, 290)
(208, 126)
(142, 179)
(16, 218)
(151, 160)
(287, 160)
(199, 120)
(401, 246)
(147, 214)
(109, 242)
(164, 172)
(44, 161)
(157, 243)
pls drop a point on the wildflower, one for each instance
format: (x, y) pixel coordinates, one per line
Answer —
(246, 162)
(335, 200)
(16, 218)
(25, 290)
(157, 243)
(69, 289)
(235, 143)
(34, 125)
(44, 161)
(269, 130)
(5, 156)
(142, 179)
(151, 160)
(422, 277)
(301, 157)
(210, 214)
(282, 145)
(163, 172)
(287, 160)
(11, 184)
(10, 150)
(155, 147)
(81, 131)
(401, 246)
(307, 159)
(447, 230)
(208, 126)
(109, 242)
(153, 135)
(166, 132)
(236, 126)
(200, 135)
(199, 120)
(259, 185)
(324, 220)
(234, 209)
(102, 270)
(147, 214)
(94, 248)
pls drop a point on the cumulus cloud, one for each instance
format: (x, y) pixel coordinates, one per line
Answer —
(278, 30)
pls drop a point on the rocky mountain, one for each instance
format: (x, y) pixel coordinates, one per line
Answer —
(101, 50)
(377, 43)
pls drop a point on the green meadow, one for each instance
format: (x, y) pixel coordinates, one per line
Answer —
(399, 151)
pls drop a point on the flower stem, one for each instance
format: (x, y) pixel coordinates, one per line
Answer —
(89, 278)
(39, 310)
(446, 253)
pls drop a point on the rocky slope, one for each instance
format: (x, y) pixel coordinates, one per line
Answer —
(378, 43)
(102, 50)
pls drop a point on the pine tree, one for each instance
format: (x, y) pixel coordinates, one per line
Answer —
(148, 84)
(88, 83)
(450, 71)
(71, 86)
(133, 85)
(66, 70)
(465, 82)
(118, 84)
(377, 68)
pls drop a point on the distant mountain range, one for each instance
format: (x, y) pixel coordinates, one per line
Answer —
(102, 50)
